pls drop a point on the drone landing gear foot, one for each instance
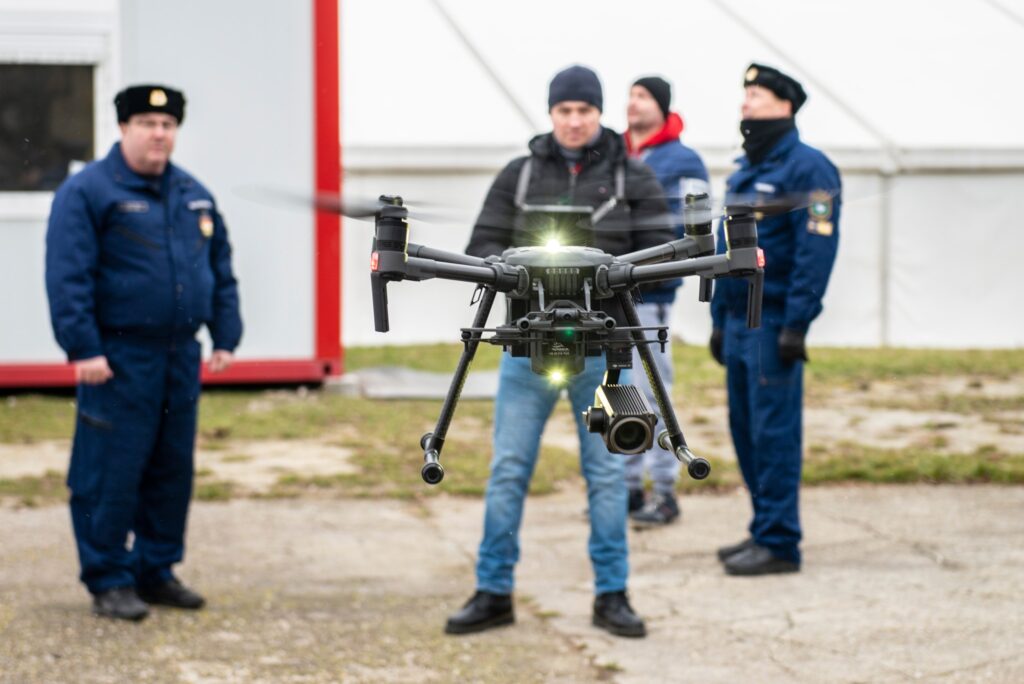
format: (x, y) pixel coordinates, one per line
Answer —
(697, 467)
(432, 472)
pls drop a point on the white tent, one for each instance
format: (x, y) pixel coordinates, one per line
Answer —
(916, 102)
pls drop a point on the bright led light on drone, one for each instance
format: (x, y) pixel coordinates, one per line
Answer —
(553, 244)
(557, 377)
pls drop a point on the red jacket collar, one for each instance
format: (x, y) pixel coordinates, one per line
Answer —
(669, 132)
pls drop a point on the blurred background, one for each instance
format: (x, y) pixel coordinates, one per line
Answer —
(917, 102)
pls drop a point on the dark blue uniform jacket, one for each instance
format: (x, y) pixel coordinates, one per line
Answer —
(131, 256)
(799, 246)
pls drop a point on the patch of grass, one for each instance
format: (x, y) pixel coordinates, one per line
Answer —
(438, 358)
(29, 418)
(394, 473)
(226, 415)
(236, 458)
(35, 490)
(952, 403)
(855, 366)
(217, 490)
(852, 462)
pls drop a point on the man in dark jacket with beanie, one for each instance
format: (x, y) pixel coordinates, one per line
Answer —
(764, 367)
(653, 137)
(578, 163)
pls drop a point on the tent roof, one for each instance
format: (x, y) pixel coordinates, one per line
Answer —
(887, 76)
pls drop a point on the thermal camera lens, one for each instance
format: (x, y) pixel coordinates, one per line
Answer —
(630, 436)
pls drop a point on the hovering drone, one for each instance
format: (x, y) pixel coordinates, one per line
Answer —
(566, 303)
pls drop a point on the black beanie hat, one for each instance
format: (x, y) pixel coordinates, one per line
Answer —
(141, 99)
(785, 87)
(575, 84)
(660, 89)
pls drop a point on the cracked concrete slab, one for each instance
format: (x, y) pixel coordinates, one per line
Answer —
(914, 583)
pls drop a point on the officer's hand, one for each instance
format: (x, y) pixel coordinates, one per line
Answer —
(94, 371)
(716, 345)
(791, 346)
(221, 360)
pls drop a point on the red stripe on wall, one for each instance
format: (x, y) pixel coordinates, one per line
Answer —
(269, 371)
(327, 151)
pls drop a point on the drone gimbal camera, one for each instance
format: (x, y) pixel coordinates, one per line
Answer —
(567, 303)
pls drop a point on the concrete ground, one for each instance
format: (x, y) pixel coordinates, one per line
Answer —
(915, 583)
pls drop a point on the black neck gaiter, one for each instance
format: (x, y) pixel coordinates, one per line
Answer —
(761, 135)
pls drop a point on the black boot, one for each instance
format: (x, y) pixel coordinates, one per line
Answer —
(121, 603)
(661, 510)
(636, 500)
(172, 593)
(483, 611)
(613, 613)
(726, 551)
(758, 560)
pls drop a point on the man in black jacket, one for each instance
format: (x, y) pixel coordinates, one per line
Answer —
(580, 164)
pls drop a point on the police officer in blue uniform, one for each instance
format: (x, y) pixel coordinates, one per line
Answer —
(137, 259)
(764, 367)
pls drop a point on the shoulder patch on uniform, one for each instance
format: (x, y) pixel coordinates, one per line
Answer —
(133, 206)
(819, 227)
(206, 224)
(198, 204)
(820, 207)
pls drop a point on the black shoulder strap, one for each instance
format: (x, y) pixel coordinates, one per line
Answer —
(523, 184)
(620, 193)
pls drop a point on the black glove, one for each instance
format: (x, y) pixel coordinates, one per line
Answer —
(791, 346)
(716, 345)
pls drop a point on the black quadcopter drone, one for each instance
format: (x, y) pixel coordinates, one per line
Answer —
(566, 303)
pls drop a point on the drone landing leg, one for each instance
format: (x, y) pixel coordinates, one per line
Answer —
(433, 442)
(672, 437)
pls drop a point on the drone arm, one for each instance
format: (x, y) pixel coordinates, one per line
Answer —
(746, 262)
(499, 276)
(628, 276)
(422, 252)
(684, 248)
(388, 266)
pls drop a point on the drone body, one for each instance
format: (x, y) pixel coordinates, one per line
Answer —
(568, 303)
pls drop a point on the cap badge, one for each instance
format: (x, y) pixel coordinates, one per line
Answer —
(751, 74)
(157, 98)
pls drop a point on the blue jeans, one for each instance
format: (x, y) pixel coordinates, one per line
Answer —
(661, 464)
(522, 407)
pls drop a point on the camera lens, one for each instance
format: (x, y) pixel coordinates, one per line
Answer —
(630, 435)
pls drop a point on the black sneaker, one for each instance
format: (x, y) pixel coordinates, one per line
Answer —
(662, 509)
(172, 593)
(726, 551)
(121, 603)
(482, 611)
(636, 500)
(758, 560)
(613, 613)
